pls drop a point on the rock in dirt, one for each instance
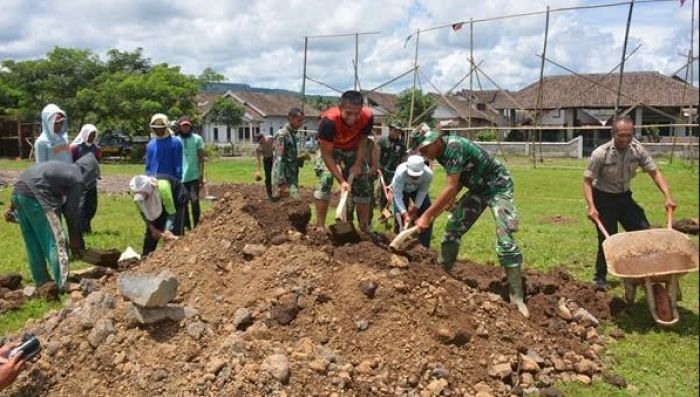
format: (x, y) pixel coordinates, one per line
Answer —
(528, 364)
(582, 315)
(95, 307)
(452, 336)
(100, 332)
(436, 386)
(369, 288)
(242, 318)
(399, 261)
(29, 291)
(147, 290)
(585, 366)
(277, 365)
(278, 239)
(617, 333)
(88, 286)
(250, 251)
(551, 392)
(500, 371)
(48, 291)
(134, 315)
(195, 329)
(286, 309)
(361, 325)
(615, 380)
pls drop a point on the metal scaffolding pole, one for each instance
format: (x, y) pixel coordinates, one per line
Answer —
(540, 89)
(303, 81)
(471, 75)
(356, 62)
(415, 77)
(624, 51)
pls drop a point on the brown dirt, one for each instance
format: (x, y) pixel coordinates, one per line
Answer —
(560, 220)
(308, 301)
(688, 226)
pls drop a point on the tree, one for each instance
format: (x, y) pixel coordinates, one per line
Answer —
(127, 61)
(321, 103)
(209, 76)
(226, 111)
(420, 108)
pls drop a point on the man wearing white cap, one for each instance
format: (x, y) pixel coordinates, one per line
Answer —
(410, 187)
(160, 201)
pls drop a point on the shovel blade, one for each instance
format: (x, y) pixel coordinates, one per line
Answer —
(344, 232)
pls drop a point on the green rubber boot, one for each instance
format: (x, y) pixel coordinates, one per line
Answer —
(448, 255)
(515, 287)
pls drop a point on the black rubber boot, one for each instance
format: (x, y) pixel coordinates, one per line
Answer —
(515, 288)
(448, 255)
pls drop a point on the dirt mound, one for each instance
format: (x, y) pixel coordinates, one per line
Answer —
(302, 317)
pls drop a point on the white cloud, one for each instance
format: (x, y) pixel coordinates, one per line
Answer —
(261, 42)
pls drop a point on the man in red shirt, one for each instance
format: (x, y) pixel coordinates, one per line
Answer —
(342, 134)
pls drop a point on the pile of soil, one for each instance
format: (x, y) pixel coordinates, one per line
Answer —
(279, 311)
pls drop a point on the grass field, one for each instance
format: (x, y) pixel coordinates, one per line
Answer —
(554, 232)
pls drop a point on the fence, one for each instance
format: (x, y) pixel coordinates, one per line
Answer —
(571, 149)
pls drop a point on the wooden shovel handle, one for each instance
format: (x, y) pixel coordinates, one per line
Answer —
(340, 212)
(669, 218)
(601, 228)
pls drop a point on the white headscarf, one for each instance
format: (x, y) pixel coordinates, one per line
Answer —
(84, 133)
(146, 195)
(48, 115)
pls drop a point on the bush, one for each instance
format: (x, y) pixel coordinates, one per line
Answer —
(211, 151)
(486, 136)
(136, 154)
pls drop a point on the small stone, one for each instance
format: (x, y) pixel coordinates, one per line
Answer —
(119, 358)
(29, 291)
(361, 325)
(100, 332)
(585, 367)
(399, 261)
(585, 379)
(195, 329)
(242, 318)
(592, 334)
(286, 309)
(277, 365)
(615, 380)
(527, 379)
(250, 251)
(436, 386)
(483, 387)
(484, 394)
(365, 367)
(278, 240)
(500, 371)
(88, 286)
(319, 365)
(52, 347)
(400, 287)
(564, 313)
(528, 364)
(395, 272)
(215, 365)
(369, 288)
(439, 372)
(148, 291)
(531, 392)
(559, 364)
(535, 357)
(582, 315)
(482, 331)
(159, 375)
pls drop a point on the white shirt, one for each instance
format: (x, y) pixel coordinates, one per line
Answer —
(402, 183)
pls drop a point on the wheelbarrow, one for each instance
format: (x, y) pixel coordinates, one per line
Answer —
(654, 258)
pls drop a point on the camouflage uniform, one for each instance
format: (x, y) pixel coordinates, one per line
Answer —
(285, 167)
(392, 152)
(489, 184)
(361, 189)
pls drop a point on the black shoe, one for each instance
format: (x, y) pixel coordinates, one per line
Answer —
(601, 284)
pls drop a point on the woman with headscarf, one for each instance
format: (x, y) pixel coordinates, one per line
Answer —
(83, 144)
(160, 201)
(52, 144)
(40, 194)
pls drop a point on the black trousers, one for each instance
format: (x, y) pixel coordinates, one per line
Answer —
(88, 209)
(193, 194)
(267, 164)
(150, 243)
(614, 208)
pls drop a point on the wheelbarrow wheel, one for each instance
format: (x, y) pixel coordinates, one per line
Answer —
(662, 302)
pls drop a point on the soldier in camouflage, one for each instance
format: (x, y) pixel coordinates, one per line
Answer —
(285, 167)
(392, 153)
(489, 185)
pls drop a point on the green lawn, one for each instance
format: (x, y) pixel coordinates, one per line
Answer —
(554, 232)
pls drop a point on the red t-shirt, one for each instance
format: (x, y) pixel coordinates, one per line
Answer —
(332, 130)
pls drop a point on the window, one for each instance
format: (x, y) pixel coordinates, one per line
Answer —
(247, 132)
(271, 132)
(240, 133)
(216, 134)
(257, 130)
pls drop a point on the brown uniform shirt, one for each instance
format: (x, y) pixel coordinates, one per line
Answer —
(612, 170)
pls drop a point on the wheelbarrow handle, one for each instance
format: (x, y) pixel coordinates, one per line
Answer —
(669, 218)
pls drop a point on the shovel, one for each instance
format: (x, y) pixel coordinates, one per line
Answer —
(343, 231)
(398, 243)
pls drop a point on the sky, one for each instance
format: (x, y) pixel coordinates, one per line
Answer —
(261, 42)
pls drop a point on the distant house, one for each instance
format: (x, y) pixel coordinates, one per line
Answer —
(383, 106)
(17, 137)
(570, 100)
(265, 113)
(474, 113)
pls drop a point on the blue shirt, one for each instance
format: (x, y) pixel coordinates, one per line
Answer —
(402, 183)
(164, 156)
